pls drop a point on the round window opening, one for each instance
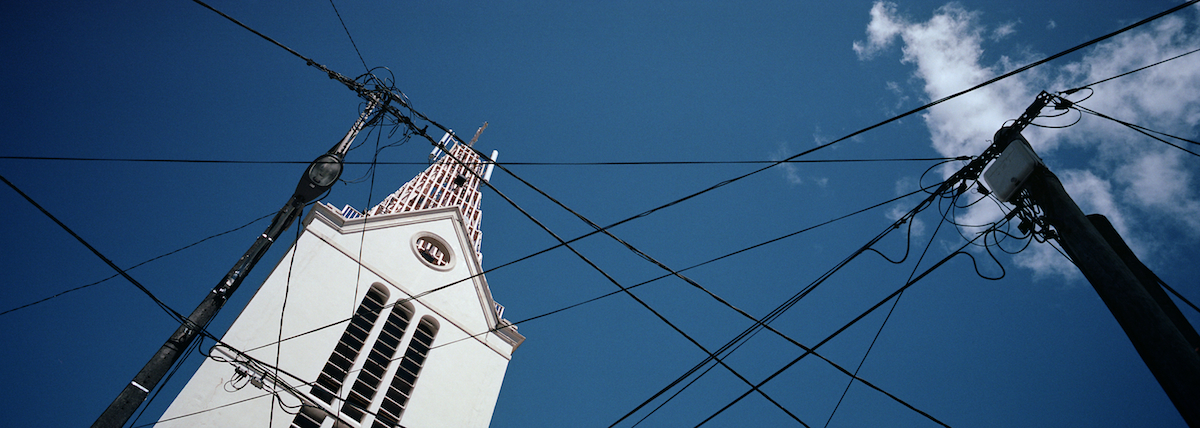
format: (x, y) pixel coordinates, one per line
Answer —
(433, 251)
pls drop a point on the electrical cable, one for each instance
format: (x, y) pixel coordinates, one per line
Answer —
(864, 314)
(402, 100)
(696, 285)
(806, 229)
(258, 365)
(170, 312)
(561, 163)
(1141, 129)
(891, 310)
(727, 255)
(203, 332)
(139, 264)
(660, 277)
(332, 74)
(192, 348)
(265, 369)
(1176, 293)
(1089, 85)
(339, 17)
(851, 135)
(782, 308)
(625, 289)
(808, 289)
(608, 277)
(204, 411)
(287, 286)
(183, 321)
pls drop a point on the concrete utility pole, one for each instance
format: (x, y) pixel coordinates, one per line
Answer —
(1165, 350)
(1148, 279)
(320, 175)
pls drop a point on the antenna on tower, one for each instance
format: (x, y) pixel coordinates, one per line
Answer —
(487, 174)
(441, 145)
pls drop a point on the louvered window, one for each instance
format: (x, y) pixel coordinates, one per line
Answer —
(388, 354)
(382, 354)
(348, 347)
(336, 369)
(406, 375)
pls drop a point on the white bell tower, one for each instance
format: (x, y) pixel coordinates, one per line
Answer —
(376, 320)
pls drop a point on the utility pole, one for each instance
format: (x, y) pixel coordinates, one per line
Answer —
(1149, 280)
(317, 179)
(1165, 350)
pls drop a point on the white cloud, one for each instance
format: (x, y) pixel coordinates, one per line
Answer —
(1093, 194)
(1160, 183)
(1046, 263)
(819, 138)
(1139, 184)
(946, 51)
(881, 31)
(790, 171)
(1004, 31)
(1051, 25)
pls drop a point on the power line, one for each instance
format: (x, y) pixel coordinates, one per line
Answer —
(1176, 293)
(608, 277)
(944, 187)
(888, 317)
(391, 95)
(402, 100)
(1141, 129)
(436, 289)
(551, 163)
(171, 312)
(1089, 85)
(339, 17)
(415, 297)
(709, 261)
(137, 265)
(863, 130)
(626, 288)
(652, 260)
(806, 229)
(876, 306)
(744, 336)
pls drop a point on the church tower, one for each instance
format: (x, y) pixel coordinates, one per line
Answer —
(382, 319)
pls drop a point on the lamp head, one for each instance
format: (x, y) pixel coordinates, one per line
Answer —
(319, 177)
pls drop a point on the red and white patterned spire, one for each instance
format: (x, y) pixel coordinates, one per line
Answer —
(449, 181)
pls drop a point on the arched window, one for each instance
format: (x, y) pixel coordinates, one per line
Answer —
(406, 375)
(330, 381)
(385, 351)
(382, 353)
(348, 347)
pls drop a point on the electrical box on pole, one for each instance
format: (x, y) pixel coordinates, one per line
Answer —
(1010, 170)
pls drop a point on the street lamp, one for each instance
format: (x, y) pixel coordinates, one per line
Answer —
(317, 179)
(320, 175)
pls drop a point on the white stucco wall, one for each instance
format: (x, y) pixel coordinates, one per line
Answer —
(459, 383)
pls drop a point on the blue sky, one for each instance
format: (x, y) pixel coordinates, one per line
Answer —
(613, 82)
